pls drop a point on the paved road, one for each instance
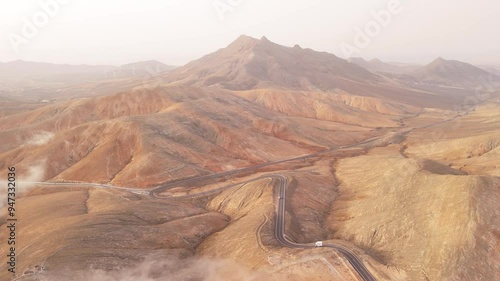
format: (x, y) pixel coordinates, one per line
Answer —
(229, 174)
(279, 230)
(280, 235)
(87, 184)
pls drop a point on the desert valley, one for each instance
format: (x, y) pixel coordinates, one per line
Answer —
(152, 171)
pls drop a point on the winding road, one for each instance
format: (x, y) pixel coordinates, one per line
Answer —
(280, 235)
(279, 230)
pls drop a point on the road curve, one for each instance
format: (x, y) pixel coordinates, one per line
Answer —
(353, 259)
(280, 212)
(279, 230)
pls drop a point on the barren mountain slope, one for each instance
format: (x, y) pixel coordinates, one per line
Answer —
(424, 221)
(472, 144)
(172, 133)
(406, 179)
(455, 74)
(249, 63)
(338, 106)
(419, 206)
(251, 208)
(74, 232)
(378, 66)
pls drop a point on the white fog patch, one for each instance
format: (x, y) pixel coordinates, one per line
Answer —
(33, 174)
(40, 138)
(24, 180)
(166, 269)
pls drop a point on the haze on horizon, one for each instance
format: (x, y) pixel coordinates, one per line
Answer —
(175, 32)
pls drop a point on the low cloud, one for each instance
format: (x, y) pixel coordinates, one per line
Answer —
(170, 269)
(25, 180)
(40, 138)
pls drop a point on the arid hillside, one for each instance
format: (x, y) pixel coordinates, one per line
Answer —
(406, 179)
(454, 73)
(378, 66)
(427, 205)
(144, 138)
(250, 63)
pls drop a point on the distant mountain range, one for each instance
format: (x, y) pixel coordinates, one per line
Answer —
(249, 64)
(252, 64)
(440, 72)
(376, 65)
(491, 68)
(20, 69)
(140, 69)
(454, 73)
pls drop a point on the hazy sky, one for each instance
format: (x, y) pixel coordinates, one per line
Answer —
(177, 31)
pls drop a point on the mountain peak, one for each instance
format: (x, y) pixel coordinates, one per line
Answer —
(248, 40)
(250, 63)
(377, 61)
(452, 73)
(439, 60)
(243, 43)
(440, 63)
(245, 39)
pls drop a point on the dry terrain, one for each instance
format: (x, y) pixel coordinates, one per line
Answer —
(406, 178)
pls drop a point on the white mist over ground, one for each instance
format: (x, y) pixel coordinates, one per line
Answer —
(170, 269)
(24, 181)
(40, 138)
(24, 178)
